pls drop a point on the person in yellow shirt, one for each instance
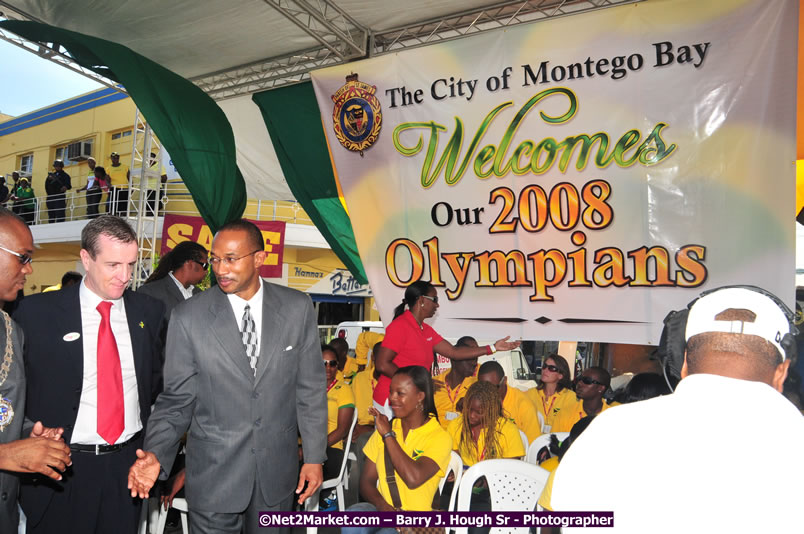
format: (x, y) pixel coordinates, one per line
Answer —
(554, 391)
(342, 351)
(340, 411)
(417, 448)
(589, 390)
(363, 385)
(364, 347)
(118, 175)
(451, 386)
(516, 406)
(482, 432)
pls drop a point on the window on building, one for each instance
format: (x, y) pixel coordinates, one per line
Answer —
(74, 152)
(26, 164)
(119, 135)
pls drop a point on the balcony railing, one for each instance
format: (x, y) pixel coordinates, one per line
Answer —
(174, 199)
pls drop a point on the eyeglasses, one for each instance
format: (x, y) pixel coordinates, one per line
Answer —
(330, 363)
(229, 260)
(25, 259)
(589, 381)
(552, 368)
(428, 297)
(204, 265)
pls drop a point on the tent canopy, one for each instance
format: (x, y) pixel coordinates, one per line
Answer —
(236, 48)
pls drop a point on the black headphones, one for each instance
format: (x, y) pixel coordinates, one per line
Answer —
(673, 342)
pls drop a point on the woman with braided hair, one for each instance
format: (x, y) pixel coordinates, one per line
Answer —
(482, 432)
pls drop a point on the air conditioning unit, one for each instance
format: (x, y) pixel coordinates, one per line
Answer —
(79, 151)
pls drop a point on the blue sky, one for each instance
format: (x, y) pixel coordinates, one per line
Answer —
(28, 82)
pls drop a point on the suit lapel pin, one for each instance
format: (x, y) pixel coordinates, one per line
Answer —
(142, 325)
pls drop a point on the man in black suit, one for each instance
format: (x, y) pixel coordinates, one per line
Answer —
(175, 278)
(92, 354)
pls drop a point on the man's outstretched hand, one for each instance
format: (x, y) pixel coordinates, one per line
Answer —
(313, 475)
(143, 474)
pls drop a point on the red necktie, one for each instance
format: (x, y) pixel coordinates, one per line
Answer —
(111, 419)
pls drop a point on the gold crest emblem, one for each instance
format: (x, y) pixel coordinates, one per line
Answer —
(356, 115)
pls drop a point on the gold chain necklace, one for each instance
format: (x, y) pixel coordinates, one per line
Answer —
(7, 359)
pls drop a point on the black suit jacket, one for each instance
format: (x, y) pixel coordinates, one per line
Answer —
(165, 289)
(54, 367)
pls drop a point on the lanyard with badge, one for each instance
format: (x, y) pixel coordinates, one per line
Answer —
(6, 409)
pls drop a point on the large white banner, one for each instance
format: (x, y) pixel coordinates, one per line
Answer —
(575, 178)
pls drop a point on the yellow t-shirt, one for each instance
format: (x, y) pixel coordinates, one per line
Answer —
(446, 399)
(339, 396)
(509, 439)
(547, 492)
(549, 407)
(550, 464)
(429, 440)
(365, 343)
(567, 417)
(523, 412)
(118, 175)
(363, 388)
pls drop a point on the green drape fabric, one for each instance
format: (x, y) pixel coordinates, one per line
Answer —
(189, 124)
(293, 120)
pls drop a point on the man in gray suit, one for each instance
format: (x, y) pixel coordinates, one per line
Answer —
(44, 447)
(243, 372)
(178, 272)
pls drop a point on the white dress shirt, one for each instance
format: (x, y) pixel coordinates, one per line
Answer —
(86, 422)
(239, 306)
(186, 292)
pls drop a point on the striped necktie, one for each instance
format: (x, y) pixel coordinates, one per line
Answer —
(249, 332)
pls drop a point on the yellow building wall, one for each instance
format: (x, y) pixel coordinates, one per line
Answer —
(41, 140)
(51, 261)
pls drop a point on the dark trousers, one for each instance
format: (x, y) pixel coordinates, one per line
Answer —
(56, 206)
(27, 213)
(92, 498)
(93, 202)
(119, 200)
(332, 467)
(246, 522)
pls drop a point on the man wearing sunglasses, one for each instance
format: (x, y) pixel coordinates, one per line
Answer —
(243, 375)
(589, 389)
(41, 449)
(179, 271)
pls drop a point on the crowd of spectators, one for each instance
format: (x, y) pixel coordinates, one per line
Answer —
(406, 423)
(110, 182)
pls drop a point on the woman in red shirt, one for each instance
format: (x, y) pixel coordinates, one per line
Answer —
(410, 341)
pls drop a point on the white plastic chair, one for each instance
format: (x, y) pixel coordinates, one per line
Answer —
(537, 445)
(542, 441)
(514, 485)
(456, 467)
(311, 504)
(178, 504)
(525, 441)
(541, 421)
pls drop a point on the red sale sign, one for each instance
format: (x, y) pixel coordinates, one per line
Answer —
(178, 228)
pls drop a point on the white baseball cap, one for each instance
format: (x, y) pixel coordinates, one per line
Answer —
(770, 323)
